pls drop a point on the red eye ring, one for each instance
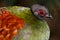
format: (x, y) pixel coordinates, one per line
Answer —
(41, 12)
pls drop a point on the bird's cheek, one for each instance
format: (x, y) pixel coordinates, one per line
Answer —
(36, 13)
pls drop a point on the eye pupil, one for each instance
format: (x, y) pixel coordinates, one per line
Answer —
(41, 12)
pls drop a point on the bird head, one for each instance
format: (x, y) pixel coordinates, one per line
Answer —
(40, 11)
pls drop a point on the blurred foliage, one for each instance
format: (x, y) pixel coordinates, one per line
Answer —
(7, 2)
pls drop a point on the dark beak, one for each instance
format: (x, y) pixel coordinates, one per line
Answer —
(49, 16)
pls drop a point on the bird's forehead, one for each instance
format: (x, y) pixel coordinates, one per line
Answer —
(37, 7)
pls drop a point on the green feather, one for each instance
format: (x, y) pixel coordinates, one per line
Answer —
(34, 29)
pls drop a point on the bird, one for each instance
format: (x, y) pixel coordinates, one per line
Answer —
(35, 26)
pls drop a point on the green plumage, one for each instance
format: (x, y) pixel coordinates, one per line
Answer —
(34, 29)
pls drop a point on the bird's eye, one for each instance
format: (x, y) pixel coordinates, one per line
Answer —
(41, 12)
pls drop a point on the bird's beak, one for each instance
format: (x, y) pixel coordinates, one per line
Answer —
(49, 16)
